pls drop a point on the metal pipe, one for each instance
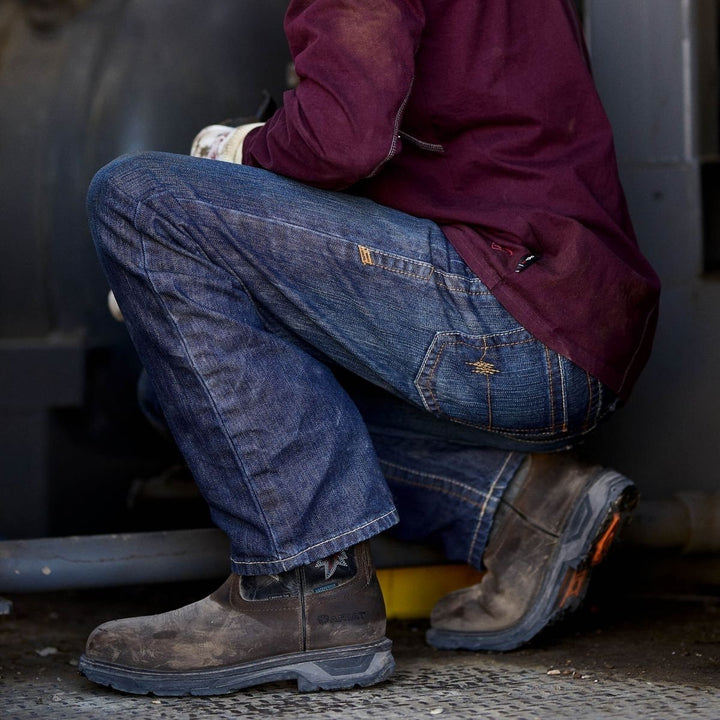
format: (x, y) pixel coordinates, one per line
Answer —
(154, 557)
(689, 522)
(112, 560)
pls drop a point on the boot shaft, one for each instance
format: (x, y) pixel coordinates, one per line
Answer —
(334, 601)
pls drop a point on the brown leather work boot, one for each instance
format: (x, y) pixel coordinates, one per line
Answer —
(556, 521)
(321, 624)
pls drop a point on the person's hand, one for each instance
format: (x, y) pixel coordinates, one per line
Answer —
(221, 142)
(224, 141)
(210, 141)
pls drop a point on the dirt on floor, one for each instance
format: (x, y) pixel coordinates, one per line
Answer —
(659, 639)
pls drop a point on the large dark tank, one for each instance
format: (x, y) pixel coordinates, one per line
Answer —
(81, 82)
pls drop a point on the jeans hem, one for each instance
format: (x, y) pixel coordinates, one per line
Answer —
(318, 551)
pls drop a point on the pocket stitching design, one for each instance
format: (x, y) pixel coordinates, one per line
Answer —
(429, 397)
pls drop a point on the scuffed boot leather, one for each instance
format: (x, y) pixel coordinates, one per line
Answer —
(322, 624)
(555, 522)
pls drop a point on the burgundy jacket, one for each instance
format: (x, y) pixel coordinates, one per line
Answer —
(481, 115)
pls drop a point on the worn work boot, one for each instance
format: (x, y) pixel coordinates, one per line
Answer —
(321, 624)
(556, 521)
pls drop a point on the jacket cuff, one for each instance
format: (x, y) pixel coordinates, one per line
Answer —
(232, 149)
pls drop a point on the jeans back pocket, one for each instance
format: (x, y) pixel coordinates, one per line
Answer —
(507, 383)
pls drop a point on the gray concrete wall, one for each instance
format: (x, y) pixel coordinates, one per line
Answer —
(655, 63)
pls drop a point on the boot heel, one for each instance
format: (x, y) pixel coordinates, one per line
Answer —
(365, 665)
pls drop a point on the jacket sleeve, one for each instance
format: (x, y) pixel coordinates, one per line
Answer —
(355, 63)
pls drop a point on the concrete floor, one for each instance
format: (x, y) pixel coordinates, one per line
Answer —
(632, 657)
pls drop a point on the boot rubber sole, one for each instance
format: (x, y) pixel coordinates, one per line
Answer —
(595, 522)
(331, 669)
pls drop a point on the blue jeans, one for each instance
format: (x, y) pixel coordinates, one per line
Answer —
(326, 365)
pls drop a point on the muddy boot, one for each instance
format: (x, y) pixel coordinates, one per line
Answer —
(555, 522)
(322, 625)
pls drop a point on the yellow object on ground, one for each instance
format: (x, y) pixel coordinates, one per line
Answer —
(411, 592)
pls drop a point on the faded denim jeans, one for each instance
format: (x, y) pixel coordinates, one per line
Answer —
(326, 365)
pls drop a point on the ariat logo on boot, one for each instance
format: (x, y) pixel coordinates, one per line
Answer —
(341, 618)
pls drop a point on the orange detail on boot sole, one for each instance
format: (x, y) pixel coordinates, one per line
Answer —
(574, 585)
(606, 539)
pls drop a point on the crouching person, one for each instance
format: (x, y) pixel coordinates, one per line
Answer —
(388, 306)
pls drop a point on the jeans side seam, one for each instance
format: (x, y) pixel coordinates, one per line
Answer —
(447, 493)
(484, 508)
(442, 280)
(191, 360)
(440, 276)
(368, 254)
(590, 402)
(563, 392)
(430, 476)
(404, 272)
(488, 390)
(551, 390)
(599, 402)
(264, 219)
(470, 293)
